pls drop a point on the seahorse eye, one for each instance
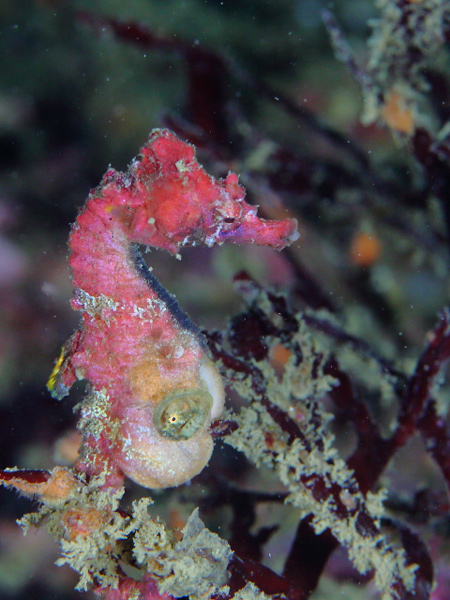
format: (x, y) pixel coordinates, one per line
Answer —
(181, 413)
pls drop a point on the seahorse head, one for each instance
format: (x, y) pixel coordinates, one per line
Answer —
(180, 204)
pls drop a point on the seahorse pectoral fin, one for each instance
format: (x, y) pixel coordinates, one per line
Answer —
(63, 375)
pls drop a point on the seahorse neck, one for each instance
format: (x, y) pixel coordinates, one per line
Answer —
(101, 256)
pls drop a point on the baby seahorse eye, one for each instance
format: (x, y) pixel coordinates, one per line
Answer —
(181, 413)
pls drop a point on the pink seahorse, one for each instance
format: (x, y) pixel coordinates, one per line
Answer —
(153, 389)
